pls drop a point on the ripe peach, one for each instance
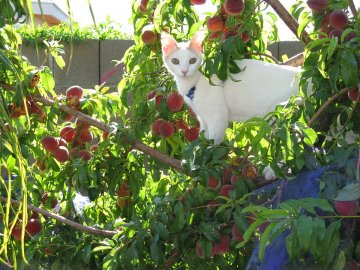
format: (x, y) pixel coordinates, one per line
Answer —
(222, 247)
(49, 143)
(354, 94)
(336, 33)
(105, 135)
(74, 91)
(148, 36)
(33, 227)
(151, 95)
(61, 154)
(86, 136)
(67, 133)
(233, 7)
(158, 100)
(245, 38)
(82, 125)
(214, 36)
(180, 124)
(143, 6)
(198, 2)
(347, 208)
(156, 126)
(123, 190)
(199, 249)
(16, 232)
(192, 134)
(215, 23)
(350, 36)
(61, 142)
(166, 129)
(237, 235)
(174, 101)
(225, 190)
(41, 164)
(213, 183)
(46, 200)
(84, 155)
(338, 19)
(317, 5)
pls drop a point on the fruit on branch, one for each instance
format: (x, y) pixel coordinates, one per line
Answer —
(151, 95)
(149, 36)
(67, 133)
(82, 125)
(213, 182)
(354, 94)
(338, 19)
(346, 208)
(156, 126)
(199, 249)
(214, 36)
(215, 23)
(245, 38)
(123, 202)
(226, 34)
(33, 227)
(166, 129)
(336, 33)
(317, 5)
(16, 232)
(250, 171)
(85, 136)
(225, 190)
(174, 101)
(233, 7)
(61, 154)
(84, 155)
(350, 36)
(74, 91)
(41, 164)
(237, 235)
(198, 2)
(143, 6)
(49, 201)
(222, 247)
(180, 124)
(61, 142)
(123, 190)
(49, 143)
(105, 135)
(192, 134)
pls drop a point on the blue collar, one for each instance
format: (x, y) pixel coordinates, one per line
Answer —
(191, 93)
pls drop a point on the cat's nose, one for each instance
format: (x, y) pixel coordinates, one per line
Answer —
(184, 72)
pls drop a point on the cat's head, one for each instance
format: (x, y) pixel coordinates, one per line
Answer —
(182, 59)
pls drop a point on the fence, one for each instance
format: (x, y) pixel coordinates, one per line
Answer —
(92, 61)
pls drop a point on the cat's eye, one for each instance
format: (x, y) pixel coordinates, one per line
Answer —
(175, 61)
(192, 60)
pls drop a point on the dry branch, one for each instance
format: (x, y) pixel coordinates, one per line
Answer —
(353, 9)
(288, 19)
(62, 219)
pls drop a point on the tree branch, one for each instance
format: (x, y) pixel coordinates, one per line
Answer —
(295, 61)
(325, 105)
(288, 19)
(62, 219)
(170, 161)
(353, 8)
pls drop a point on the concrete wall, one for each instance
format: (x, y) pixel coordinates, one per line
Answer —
(92, 62)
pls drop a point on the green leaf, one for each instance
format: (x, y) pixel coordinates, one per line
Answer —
(340, 261)
(179, 220)
(350, 192)
(154, 249)
(303, 228)
(162, 231)
(264, 239)
(349, 68)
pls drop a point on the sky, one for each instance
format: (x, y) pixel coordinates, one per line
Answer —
(120, 11)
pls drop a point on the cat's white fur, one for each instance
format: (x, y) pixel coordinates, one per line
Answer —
(255, 91)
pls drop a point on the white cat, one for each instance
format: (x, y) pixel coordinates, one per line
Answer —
(255, 91)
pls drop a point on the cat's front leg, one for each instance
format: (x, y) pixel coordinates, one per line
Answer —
(217, 128)
(203, 127)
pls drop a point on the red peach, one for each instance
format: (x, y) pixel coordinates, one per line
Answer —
(74, 91)
(233, 7)
(61, 154)
(49, 143)
(166, 129)
(174, 101)
(215, 23)
(192, 134)
(346, 208)
(338, 19)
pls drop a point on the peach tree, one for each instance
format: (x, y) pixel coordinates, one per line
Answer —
(156, 193)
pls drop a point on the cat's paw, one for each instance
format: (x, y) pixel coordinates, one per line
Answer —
(269, 173)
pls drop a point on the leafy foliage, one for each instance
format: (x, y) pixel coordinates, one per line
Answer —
(208, 215)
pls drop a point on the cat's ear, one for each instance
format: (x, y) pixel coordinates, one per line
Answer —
(196, 41)
(168, 43)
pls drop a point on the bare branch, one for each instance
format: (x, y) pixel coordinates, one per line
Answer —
(353, 9)
(325, 105)
(295, 61)
(71, 223)
(288, 19)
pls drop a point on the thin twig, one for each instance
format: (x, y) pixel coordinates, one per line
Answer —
(288, 19)
(325, 105)
(353, 9)
(62, 219)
